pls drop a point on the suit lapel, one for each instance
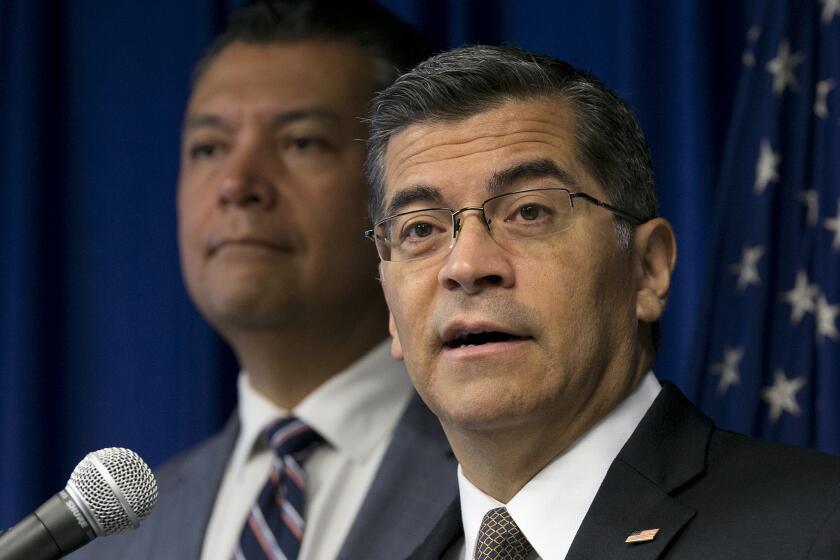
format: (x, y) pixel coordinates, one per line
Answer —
(666, 451)
(627, 502)
(191, 488)
(448, 531)
(415, 487)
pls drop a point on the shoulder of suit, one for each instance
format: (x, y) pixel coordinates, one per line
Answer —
(806, 465)
(217, 447)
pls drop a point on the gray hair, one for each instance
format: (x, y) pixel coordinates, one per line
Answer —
(392, 44)
(463, 82)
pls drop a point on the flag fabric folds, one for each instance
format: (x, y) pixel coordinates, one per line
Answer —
(768, 361)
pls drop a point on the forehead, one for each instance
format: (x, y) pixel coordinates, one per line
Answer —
(467, 153)
(332, 74)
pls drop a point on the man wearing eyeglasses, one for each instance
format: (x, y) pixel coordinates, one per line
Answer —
(525, 270)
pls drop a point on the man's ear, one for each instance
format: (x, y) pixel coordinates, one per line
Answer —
(655, 253)
(396, 347)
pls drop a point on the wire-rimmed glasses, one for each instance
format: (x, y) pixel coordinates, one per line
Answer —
(526, 214)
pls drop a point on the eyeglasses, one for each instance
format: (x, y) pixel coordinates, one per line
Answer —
(527, 214)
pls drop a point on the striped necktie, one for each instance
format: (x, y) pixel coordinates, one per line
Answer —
(499, 538)
(275, 524)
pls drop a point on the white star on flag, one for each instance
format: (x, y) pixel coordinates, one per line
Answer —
(748, 58)
(766, 168)
(747, 269)
(811, 200)
(831, 8)
(833, 224)
(728, 368)
(782, 67)
(781, 396)
(823, 88)
(826, 316)
(802, 298)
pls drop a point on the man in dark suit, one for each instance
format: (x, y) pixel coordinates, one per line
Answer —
(270, 190)
(525, 270)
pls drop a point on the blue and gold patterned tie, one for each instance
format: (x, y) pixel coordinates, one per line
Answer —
(499, 538)
(276, 521)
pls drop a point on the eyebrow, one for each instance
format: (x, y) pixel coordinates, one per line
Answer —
(205, 120)
(316, 113)
(499, 182)
(212, 120)
(533, 169)
(410, 195)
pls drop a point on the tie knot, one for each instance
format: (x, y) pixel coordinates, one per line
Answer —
(291, 436)
(499, 538)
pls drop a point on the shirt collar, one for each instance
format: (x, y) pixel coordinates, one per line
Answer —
(352, 411)
(571, 479)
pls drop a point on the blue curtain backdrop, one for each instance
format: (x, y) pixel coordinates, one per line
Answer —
(99, 345)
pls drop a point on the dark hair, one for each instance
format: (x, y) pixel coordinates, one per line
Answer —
(462, 82)
(392, 44)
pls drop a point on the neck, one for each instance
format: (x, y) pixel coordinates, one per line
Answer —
(501, 461)
(287, 364)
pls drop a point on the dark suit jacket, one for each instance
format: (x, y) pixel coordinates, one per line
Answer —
(712, 494)
(415, 484)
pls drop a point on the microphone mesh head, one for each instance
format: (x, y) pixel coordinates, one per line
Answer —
(133, 479)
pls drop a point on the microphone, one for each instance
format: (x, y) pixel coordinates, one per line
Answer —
(110, 491)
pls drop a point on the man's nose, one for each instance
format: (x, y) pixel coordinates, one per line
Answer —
(476, 262)
(247, 180)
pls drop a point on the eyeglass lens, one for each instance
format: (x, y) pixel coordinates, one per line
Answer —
(520, 215)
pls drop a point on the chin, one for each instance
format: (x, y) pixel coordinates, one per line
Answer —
(250, 310)
(484, 408)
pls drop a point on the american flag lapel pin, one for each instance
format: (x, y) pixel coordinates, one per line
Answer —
(641, 536)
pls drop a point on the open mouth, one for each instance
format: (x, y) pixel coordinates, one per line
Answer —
(479, 338)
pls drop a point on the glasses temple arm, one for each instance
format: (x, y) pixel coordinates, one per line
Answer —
(610, 207)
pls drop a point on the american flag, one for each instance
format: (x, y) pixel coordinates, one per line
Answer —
(641, 536)
(768, 363)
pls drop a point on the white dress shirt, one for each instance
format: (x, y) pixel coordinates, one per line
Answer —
(550, 508)
(356, 412)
